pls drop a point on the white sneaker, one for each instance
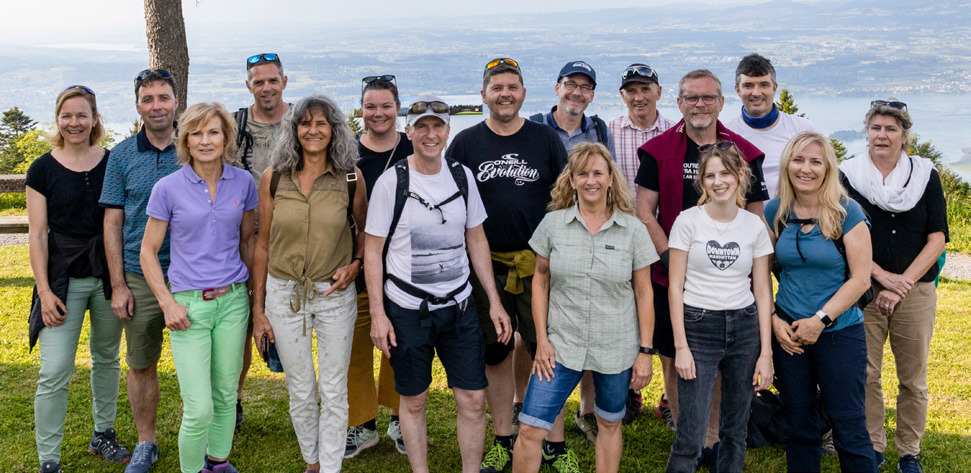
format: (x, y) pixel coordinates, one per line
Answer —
(358, 439)
(394, 431)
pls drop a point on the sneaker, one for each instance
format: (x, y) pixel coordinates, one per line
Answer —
(496, 460)
(663, 411)
(240, 419)
(224, 467)
(145, 455)
(587, 424)
(105, 445)
(826, 443)
(359, 438)
(517, 408)
(910, 464)
(634, 404)
(394, 432)
(562, 463)
(51, 466)
(878, 459)
(709, 458)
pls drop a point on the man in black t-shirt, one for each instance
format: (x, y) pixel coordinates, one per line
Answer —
(515, 163)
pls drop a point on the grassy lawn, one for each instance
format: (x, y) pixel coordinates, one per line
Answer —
(13, 203)
(267, 443)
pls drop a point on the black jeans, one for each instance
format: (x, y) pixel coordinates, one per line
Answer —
(726, 341)
(836, 363)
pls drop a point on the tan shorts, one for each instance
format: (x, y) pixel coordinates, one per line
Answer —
(143, 333)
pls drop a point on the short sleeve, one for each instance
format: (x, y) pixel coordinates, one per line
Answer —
(455, 150)
(645, 253)
(758, 191)
(113, 189)
(159, 206)
(682, 231)
(771, 208)
(37, 176)
(647, 172)
(475, 214)
(854, 215)
(763, 245)
(540, 241)
(936, 207)
(252, 195)
(381, 207)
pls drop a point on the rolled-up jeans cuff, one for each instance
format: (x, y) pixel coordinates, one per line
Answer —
(538, 423)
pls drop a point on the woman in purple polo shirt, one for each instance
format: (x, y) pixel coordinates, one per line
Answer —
(207, 206)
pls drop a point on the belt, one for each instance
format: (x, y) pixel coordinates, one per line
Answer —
(216, 292)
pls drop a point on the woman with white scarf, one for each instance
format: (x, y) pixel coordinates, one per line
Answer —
(905, 202)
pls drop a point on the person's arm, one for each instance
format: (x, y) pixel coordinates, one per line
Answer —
(780, 328)
(481, 259)
(52, 308)
(859, 256)
(174, 313)
(122, 303)
(382, 333)
(762, 285)
(683, 360)
(644, 298)
(898, 285)
(261, 253)
(247, 242)
(545, 360)
(346, 274)
(647, 202)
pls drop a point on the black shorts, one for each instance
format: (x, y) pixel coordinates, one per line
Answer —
(454, 334)
(663, 332)
(520, 311)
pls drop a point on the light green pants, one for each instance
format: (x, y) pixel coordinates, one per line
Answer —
(58, 347)
(208, 358)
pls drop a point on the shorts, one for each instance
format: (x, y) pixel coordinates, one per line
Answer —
(454, 334)
(663, 332)
(545, 399)
(520, 310)
(143, 333)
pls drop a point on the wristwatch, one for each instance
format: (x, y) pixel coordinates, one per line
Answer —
(648, 350)
(825, 319)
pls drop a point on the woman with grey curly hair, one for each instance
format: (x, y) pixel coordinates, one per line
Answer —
(308, 253)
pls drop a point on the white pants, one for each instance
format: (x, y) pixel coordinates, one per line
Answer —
(320, 434)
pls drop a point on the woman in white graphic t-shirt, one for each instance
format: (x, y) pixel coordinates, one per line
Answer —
(720, 325)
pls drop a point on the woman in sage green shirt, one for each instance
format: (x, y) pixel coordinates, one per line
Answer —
(592, 304)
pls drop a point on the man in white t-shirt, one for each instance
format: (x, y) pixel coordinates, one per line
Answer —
(761, 122)
(423, 273)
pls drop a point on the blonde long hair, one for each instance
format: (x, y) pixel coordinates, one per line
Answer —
(734, 164)
(831, 192)
(619, 196)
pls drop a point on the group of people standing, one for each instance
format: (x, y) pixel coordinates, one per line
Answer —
(533, 255)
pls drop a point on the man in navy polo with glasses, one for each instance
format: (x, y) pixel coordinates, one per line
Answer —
(574, 91)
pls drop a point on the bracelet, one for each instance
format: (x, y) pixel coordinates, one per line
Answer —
(358, 258)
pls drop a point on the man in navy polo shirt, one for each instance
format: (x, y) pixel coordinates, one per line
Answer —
(574, 90)
(134, 166)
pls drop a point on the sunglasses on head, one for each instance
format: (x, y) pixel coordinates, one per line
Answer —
(150, 74)
(502, 60)
(77, 86)
(420, 107)
(643, 71)
(371, 79)
(891, 104)
(721, 146)
(257, 59)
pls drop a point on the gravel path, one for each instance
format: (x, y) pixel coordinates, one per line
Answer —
(13, 239)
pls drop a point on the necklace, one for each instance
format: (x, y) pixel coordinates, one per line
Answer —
(714, 223)
(393, 148)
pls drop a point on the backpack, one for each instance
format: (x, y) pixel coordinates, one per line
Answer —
(766, 420)
(244, 140)
(598, 124)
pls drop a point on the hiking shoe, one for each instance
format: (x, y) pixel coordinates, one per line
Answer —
(517, 408)
(51, 466)
(394, 432)
(587, 424)
(105, 445)
(826, 443)
(145, 455)
(709, 458)
(496, 460)
(562, 463)
(910, 464)
(634, 404)
(240, 419)
(224, 467)
(878, 459)
(359, 438)
(663, 411)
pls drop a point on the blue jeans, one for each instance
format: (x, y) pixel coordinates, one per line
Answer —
(726, 341)
(836, 363)
(545, 399)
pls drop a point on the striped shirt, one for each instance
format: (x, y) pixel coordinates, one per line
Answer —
(627, 138)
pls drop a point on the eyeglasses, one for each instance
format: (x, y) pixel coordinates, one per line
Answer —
(153, 74)
(502, 60)
(693, 99)
(82, 87)
(720, 146)
(571, 86)
(420, 107)
(643, 71)
(893, 104)
(257, 59)
(371, 79)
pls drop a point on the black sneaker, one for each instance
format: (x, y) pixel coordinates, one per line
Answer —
(51, 466)
(105, 445)
(239, 414)
(910, 464)
(709, 458)
(634, 406)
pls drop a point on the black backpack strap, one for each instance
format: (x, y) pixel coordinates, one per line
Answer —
(601, 127)
(244, 140)
(274, 183)
(400, 197)
(461, 180)
(351, 178)
(424, 314)
(538, 118)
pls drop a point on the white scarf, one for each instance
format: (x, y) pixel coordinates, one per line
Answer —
(902, 188)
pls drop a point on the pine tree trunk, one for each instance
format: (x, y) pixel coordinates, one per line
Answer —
(167, 48)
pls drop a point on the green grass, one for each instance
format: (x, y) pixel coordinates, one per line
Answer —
(267, 443)
(13, 203)
(959, 224)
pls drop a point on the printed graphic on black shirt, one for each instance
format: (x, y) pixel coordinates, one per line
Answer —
(508, 166)
(722, 256)
(436, 256)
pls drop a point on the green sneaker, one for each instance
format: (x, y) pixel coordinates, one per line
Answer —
(497, 460)
(358, 439)
(562, 463)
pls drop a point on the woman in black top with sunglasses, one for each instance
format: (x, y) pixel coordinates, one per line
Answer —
(380, 147)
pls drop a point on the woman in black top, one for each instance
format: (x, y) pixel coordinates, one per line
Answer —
(905, 202)
(380, 147)
(71, 277)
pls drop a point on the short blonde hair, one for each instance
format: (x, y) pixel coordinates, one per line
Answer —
(97, 131)
(196, 117)
(619, 196)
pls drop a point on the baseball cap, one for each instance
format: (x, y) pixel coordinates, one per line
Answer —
(638, 72)
(425, 105)
(578, 67)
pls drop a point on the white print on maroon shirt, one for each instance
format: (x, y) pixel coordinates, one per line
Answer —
(722, 256)
(510, 167)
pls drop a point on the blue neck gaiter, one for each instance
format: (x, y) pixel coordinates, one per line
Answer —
(761, 122)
